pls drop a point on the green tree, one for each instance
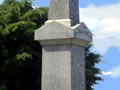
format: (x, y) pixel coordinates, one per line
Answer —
(91, 70)
(20, 55)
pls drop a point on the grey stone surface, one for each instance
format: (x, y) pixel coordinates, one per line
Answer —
(81, 43)
(63, 57)
(63, 67)
(66, 22)
(64, 9)
(63, 41)
(56, 30)
(56, 67)
(78, 68)
(53, 30)
(82, 32)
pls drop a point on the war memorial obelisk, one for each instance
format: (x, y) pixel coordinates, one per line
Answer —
(63, 39)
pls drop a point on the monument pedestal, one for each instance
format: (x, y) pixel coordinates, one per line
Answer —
(63, 55)
(63, 41)
(63, 67)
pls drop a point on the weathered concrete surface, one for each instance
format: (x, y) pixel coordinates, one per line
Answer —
(53, 30)
(63, 67)
(56, 30)
(78, 68)
(63, 56)
(56, 67)
(64, 9)
(63, 39)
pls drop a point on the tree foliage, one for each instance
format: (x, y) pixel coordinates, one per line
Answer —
(91, 70)
(20, 55)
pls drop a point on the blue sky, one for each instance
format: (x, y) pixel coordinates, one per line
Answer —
(83, 3)
(103, 19)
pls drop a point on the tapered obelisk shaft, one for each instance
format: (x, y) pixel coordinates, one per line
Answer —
(64, 9)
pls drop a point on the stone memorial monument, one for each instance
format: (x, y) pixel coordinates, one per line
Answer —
(63, 39)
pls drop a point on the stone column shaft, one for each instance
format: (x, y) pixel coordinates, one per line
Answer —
(64, 9)
(63, 67)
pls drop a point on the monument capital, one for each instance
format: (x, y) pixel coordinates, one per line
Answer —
(64, 9)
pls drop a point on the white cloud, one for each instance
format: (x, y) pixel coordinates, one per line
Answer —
(110, 25)
(115, 72)
(104, 22)
(106, 73)
(103, 44)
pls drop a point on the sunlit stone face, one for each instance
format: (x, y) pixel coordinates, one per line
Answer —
(64, 9)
